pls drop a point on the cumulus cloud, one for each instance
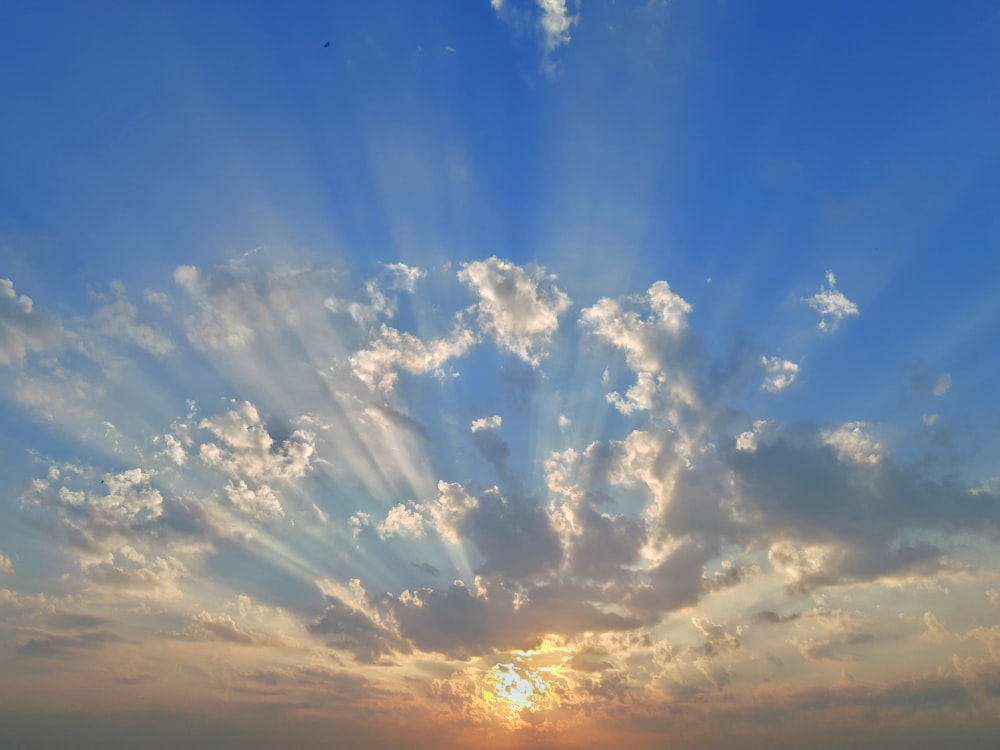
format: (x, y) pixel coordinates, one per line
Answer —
(556, 22)
(781, 373)
(248, 456)
(831, 304)
(22, 330)
(378, 365)
(518, 307)
(353, 622)
(402, 521)
(657, 348)
(510, 530)
(6, 566)
(130, 572)
(402, 277)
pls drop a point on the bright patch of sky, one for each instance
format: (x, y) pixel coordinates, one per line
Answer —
(490, 373)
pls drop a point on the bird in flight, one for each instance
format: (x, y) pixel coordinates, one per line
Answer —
(326, 45)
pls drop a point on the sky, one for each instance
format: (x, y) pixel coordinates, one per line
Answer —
(500, 374)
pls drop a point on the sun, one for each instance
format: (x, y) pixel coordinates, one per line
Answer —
(511, 689)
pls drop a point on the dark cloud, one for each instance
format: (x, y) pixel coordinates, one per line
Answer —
(74, 620)
(60, 645)
(462, 623)
(347, 628)
(513, 534)
(676, 582)
(426, 567)
(795, 487)
(770, 616)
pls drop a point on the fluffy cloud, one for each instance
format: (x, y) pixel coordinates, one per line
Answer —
(519, 307)
(402, 521)
(248, 456)
(21, 328)
(6, 566)
(404, 278)
(556, 22)
(129, 572)
(781, 373)
(831, 304)
(657, 348)
(378, 366)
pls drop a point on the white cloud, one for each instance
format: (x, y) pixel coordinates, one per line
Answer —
(255, 296)
(449, 511)
(359, 523)
(942, 385)
(248, 451)
(487, 423)
(497, 4)
(131, 573)
(248, 456)
(6, 566)
(378, 365)
(831, 305)
(853, 443)
(21, 328)
(930, 419)
(655, 347)
(555, 22)
(402, 521)
(781, 373)
(519, 307)
(404, 278)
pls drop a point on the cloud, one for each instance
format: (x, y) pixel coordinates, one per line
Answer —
(717, 641)
(49, 646)
(247, 455)
(22, 330)
(510, 530)
(402, 521)
(261, 296)
(402, 277)
(657, 348)
(378, 365)
(781, 373)
(486, 438)
(556, 22)
(925, 381)
(941, 385)
(352, 622)
(242, 627)
(518, 307)
(461, 622)
(6, 566)
(130, 572)
(117, 318)
(831, 304)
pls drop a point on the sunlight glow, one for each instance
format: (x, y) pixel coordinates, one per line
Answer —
(512, 689)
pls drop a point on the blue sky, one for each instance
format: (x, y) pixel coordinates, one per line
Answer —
(529, 373)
